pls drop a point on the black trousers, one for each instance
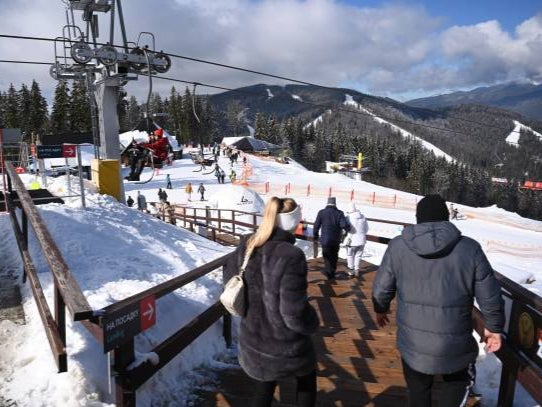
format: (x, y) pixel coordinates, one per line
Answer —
(305, 394)
(331, 256)
(454, 390)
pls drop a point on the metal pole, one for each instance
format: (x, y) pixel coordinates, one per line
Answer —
(122, 28)
(81, 183)
(3, 169)
(68, 181)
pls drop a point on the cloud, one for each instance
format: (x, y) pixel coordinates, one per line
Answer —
(392, 49)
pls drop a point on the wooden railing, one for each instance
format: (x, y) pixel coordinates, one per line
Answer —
(66, 290)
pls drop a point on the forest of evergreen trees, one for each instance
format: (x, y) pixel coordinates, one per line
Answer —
(393, 161)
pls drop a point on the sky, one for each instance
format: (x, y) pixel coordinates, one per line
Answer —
(399, 49)
(115, 252)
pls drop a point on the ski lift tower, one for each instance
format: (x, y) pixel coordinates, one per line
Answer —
(105, 68)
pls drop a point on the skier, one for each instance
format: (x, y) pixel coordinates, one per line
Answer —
(222, 176)
(201, 190)
(188, 189)
(130, 201)
(217, 172)
(162, 195)
(168, 182)
(141, 202)
(233, 175)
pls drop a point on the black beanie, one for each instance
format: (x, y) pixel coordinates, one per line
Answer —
(432, 208)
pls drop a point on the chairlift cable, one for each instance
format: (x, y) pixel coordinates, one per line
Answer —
(392, 120)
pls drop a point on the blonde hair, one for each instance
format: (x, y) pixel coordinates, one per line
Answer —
(269, 221)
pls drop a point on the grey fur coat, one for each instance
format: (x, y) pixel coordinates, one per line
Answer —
(275, 335)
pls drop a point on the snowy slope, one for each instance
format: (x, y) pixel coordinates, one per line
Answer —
(513, 137)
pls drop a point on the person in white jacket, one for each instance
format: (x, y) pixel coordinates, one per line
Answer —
(355, 239)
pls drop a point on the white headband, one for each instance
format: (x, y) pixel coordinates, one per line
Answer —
(288, 221)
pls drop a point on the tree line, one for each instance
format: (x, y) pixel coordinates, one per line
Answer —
(393, 161)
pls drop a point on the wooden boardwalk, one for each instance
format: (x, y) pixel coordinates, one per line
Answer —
(358, 364)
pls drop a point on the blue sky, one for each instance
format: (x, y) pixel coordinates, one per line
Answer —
(399, 49)
(465, 12)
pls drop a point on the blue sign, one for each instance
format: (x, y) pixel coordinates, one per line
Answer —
(49, 151)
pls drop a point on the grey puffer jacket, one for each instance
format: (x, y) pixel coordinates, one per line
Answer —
(274, 337)
(436, 273)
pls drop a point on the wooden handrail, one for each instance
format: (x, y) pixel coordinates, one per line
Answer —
(75, 301)
(168, 286)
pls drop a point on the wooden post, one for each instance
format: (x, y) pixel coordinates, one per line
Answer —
(329, 192)
(315, 248)
(219, 221)
(226, 329)
(25, 236)
(507, 387)
(254, 221)
(60, 320)
(123, 356)
(233, 222)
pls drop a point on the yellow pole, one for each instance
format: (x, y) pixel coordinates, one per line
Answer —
(360, 161)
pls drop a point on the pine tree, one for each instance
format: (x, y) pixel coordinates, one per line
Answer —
(60, 120)
(79, 108)
(12, 107)
(38, 110)
(24, 109)
(133, 113)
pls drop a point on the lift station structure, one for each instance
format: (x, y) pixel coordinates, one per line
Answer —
(105, 68)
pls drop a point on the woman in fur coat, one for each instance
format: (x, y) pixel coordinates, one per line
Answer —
(275, 334)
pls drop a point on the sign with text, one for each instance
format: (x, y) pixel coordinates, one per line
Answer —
(122, 325)
(57, 151)
(49, 151)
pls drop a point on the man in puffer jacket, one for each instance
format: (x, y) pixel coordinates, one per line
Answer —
(332, 222)
(436, 274)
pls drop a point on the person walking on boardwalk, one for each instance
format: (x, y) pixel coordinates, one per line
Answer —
(332, 222)
(188, 189)
(168, 182)
(436, 274)
(275, 334)
(201, 190)
(141, 202)
(355, 239)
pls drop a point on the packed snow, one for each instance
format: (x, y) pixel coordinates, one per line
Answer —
(513, 137)
(115, 252)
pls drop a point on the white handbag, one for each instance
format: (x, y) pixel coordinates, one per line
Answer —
(234, 296)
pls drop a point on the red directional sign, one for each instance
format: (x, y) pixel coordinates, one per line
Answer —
(147, 307)
(68, 150)
(122, 325)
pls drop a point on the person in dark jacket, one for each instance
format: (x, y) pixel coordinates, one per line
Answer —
(130, 201)
(436, 274)
(332, 222)
(275, 334)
